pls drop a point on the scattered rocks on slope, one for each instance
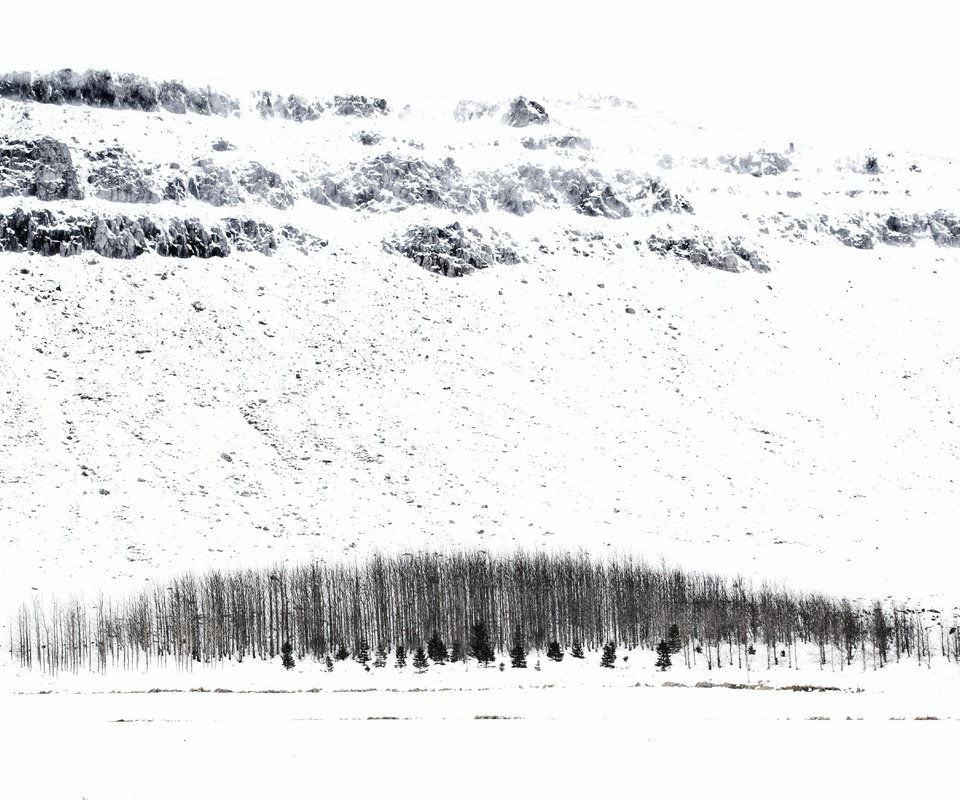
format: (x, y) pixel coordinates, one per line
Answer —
(42, 168)
(367, 138)
(524, 112)
(222, 146)
(116, 177)
(758, 163)
(453, 251)
(728, 254)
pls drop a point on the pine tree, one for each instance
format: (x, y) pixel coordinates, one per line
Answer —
(663, 656)
(518, 652)
(362, 655)
(609, 655)
(554, 653)
(380, 659)
(480, 647)
(456, 651)
(401, 656)
(287, 656)
(328, 662)
(436, 649)
(342, 653)
(420, 660)
(577, 650)
(673, 639)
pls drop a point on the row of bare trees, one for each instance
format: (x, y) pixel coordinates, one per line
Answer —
(391, 600)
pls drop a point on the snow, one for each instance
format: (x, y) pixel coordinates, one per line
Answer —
(796, 427)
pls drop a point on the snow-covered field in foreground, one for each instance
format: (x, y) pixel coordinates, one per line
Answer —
(569, 743)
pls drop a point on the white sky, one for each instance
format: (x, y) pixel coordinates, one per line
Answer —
(830, 66)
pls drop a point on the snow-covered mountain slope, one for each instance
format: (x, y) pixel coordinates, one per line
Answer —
(736, 353)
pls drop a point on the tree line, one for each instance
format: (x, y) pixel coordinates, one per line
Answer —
(533, 601)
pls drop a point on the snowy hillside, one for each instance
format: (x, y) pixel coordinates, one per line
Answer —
(269, 328)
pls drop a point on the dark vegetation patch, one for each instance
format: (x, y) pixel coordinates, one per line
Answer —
(479, 603)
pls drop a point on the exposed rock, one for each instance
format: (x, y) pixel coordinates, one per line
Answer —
(247, 235)
(292, 107)
(116, 177)
(467, 110)
(388, 179)
(42, 169)
(41, 231)
(222, 145)
(945, 228)
(262, 182)
(105, 89)
(356, 105)
(453, 250)
(523, 112)
(564, 142)
(212, 184)
(653, 192)
(758, 163)
(728, 254)
(368, 139)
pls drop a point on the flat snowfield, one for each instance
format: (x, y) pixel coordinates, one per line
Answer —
(565, 743)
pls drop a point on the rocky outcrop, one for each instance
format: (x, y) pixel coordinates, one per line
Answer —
(248, 235)
(42, 168)
(210, 184)
(116, 177)
(42, 231)
(567, 142)
(758, 163)
(356, 105)
(105, 89)
(728, 254)
(453, 251)
(653, 193)
(389, 180)
(523, 112)
(267, 185)
(292, 107)
(467, 110)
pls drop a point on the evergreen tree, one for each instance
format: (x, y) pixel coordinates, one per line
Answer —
(287, 656)
(577, 650)
(480, 646)
(362, 655)
(342, 653)
(518, 652)
(609, 655)
(380, 659)
(456, 651)
(328, 662)
(554, 653)
(436, 649)
(673, 639)
(663, 656)
(401, 656)
(420, 660)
